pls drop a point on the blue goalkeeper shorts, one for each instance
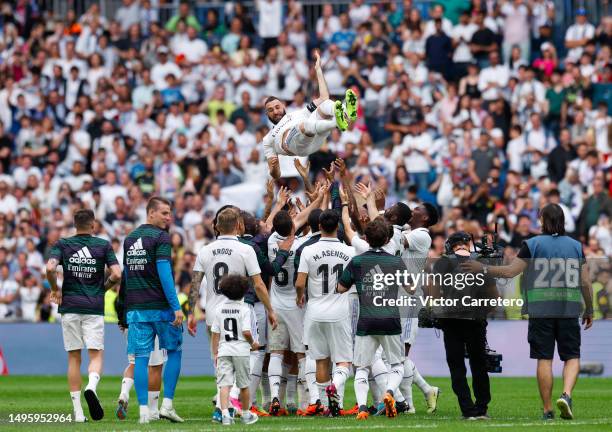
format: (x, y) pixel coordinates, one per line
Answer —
(141, 337)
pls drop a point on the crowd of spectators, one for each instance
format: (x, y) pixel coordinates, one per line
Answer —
(483, 108)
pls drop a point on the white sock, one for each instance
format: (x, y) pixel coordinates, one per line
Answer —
(322, 394)
(301, 383)
(282, 391)
(327, 108)
(126, 386)
(420, 382)
(406, 385)
(225, 412)
(310, 375)
(319, 127)
(339, 379)
(94, 379)
(256, 360)
(76, 404)
(398, 396)
(144, 411)
(395, 377)
(153, 400)
(374, 389)
(380, 375)
(234, 392)
(166, 403)
(275, 371)
(291, 389)
(361, 386)
(265, 389)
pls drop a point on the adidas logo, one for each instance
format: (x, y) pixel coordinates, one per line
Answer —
(136, 249)
(82, 256)
(371, 276)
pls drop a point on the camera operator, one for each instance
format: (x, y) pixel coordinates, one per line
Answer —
(464, 327)
(555, 282)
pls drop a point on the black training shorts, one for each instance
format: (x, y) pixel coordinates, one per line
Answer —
(544, 332)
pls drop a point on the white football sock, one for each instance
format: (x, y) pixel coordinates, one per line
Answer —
(327, 108)
(291, 389)
(275, 370)
(395, 377)
(380, 375)
(310, 374)
(166, 403)
(94, 379)
(76, 404)
(256, 360)
(319, 127)
(301, 383)
(406, 385)
(341, 374)
(322, 394)
(420, 382)
(361, 386)
(126, 386)
(144, 411)
(282, 391)
(265, 390)
(153, 401)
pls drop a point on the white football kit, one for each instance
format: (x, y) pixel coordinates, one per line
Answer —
(415, 258)
(232, 319)
(289, 333)
(327, 323)
(287, 139)
(226, 255)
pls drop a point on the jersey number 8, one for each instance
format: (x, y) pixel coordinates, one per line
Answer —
(219, 270)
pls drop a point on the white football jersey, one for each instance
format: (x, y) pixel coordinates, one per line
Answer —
(273, 139)
(232, 318)
(395, 246)
(415, 255)
(282, 289)
(324, 262)
(226, 255)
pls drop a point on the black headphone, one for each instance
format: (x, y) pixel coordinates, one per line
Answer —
(454, 239)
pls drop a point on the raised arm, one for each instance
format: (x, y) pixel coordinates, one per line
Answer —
(302, 217)
(323, 91)
(303, 171)
(283, 197)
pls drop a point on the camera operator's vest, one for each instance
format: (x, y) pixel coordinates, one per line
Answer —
(551, 281)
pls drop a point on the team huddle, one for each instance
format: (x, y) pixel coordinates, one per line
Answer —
(286, 303)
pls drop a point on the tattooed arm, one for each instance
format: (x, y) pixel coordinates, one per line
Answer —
(196, 281)
(114, 277)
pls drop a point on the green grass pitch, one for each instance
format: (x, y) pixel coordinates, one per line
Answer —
(515, 406)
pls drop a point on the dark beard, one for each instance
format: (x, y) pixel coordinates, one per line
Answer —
(276, 122)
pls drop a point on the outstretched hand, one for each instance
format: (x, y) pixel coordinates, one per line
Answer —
(301, 169)
(317, 57)
(363, 190)
(283, 196)
(341, 167)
